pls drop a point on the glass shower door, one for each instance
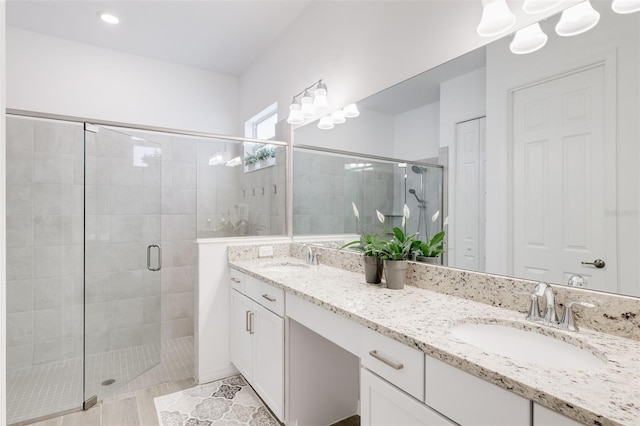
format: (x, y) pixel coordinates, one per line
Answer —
(122, 262)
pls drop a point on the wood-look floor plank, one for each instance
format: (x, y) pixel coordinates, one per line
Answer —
(91, 417)
(56, 421)
(146, 407)
(123, 412)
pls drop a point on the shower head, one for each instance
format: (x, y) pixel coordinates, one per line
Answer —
(413, 191)
(418, 170)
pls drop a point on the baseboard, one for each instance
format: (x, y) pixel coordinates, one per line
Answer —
(218, 374)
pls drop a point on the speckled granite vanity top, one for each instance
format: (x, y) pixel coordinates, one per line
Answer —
(423, 319)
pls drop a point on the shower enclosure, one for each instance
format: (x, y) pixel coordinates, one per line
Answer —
(83, 266)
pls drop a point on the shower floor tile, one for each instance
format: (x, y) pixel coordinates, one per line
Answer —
(51, 388)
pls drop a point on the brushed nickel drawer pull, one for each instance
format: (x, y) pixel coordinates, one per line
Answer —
(235, 280)
(391, 364)
(251, 330)
(269, 298)
(247, 327)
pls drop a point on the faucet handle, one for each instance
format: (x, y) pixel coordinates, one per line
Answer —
(568, 322)
(534, 309)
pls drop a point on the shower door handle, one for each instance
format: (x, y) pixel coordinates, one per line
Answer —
(149, 257)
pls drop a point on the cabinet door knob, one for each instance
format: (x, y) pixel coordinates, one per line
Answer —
(391, 364)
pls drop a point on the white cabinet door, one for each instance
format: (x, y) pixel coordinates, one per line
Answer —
(542, 416)
(383, 404)
(268, 356)
(241, 337)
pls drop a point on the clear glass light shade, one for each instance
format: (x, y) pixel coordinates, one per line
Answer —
(539, 6)
(307, 108)
(295, 115)
(338, 117)
(577, 19)
(325, 123)
(496, 20)
(528, 40)
(625, 6)
(351, 111)
(320, 100)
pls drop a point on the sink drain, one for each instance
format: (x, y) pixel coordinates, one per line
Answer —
(108, 382)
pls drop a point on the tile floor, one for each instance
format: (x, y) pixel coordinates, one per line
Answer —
(57, 387)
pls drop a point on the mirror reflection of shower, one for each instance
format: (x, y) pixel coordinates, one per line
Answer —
(422, 204)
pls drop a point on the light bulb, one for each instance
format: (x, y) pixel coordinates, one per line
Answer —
(496, 19)
(307, 109)
(577, 19)
(108, 18)
(295, 116)
(528, 40)
(320, 98)
(625, 6)
(539, 6)
(325, 123)
(351, 111)
(337, 117)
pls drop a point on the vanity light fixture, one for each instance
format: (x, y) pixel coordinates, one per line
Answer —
(539, 6)
(351, 111)
(496, 19)
(528, 40)
(109, 18)
(312, 99)
(325, 123)
(337, 117)
(577, 19)
(625, 6)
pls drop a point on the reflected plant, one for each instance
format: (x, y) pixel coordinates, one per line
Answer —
(369, 245)
(435, 246)
(400, 246)
(242, 227)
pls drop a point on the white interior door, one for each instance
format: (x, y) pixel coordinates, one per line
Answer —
(560, 180)
(470, 205)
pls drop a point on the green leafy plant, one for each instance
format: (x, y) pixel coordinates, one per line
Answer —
(265, 152)
(400, 246)
(435, 246)
(250, 159)
(369, 245)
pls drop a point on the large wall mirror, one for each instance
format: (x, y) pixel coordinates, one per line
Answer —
(541, 152)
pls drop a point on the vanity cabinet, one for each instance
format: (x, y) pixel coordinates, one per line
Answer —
(382, 404)
(542, 416)
(257, 339)
(448, 388)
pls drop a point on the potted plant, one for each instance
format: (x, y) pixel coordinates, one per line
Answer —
(430, 251)
(250, 161)
(396, 254)
(371, 247)
(266, 155)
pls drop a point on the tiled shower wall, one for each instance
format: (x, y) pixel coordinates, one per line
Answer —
(44, 241)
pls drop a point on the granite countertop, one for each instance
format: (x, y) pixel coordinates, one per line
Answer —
(423, 319)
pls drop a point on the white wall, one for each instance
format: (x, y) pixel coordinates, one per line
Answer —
(360, 48)
(3, 284)
(417, 133)
(57, 76)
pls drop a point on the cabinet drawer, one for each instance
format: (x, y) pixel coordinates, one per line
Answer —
(265, 294)
(448, 389)
(237, 280)
(394, 361)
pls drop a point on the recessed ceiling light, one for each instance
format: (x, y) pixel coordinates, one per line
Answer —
(108, 18)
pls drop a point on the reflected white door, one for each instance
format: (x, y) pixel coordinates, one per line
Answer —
(470, 219)
(560, 179)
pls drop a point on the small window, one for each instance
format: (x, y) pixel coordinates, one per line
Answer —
(263, 125)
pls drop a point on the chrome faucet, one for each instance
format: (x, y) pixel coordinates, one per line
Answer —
(549, 317)
(543, 289)
(312, 258)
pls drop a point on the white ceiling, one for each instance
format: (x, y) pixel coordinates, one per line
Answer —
(221, 36)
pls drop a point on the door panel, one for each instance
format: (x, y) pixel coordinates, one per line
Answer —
(122, 241)
(560, 180)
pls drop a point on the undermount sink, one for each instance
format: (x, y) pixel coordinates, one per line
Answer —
(529, 346)
(285, 265)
